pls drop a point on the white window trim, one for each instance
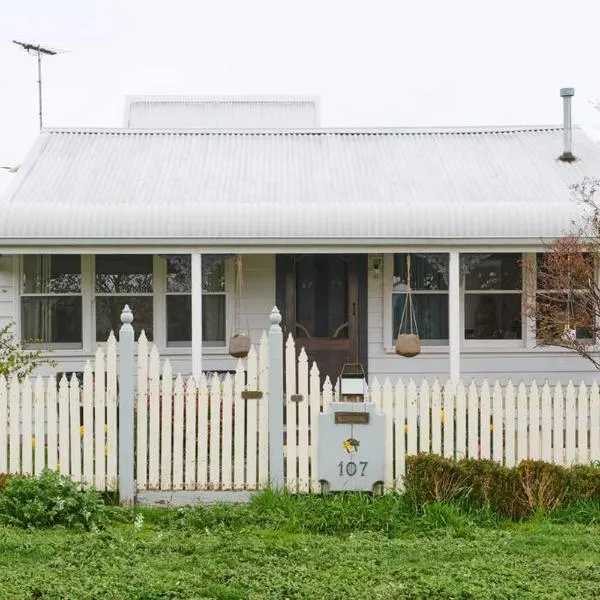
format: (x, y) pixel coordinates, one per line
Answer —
(88, 310)
(525, 344)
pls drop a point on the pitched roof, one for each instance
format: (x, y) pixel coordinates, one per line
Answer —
(328, 185)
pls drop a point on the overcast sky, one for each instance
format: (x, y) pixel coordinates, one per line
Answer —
(371, 62)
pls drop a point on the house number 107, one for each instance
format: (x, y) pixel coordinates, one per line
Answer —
(351, 468)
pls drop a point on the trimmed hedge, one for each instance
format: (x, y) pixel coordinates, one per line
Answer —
(517, 492)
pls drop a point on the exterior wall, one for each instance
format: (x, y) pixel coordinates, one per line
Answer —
(7, 291)
(259, 299)
(517, 364)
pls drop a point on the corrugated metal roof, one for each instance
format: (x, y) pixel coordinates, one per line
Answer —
(220, 112)
(327, 185)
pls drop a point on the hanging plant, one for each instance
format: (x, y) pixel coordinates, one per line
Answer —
(408, 343)
(239, 343)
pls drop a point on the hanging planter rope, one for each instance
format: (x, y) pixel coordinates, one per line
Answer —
(408, 343)
(239, 343)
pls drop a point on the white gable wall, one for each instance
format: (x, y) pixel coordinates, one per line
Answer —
(7, 290)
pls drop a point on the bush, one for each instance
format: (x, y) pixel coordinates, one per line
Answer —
(47, 500)
(3, 481)
(518, 492)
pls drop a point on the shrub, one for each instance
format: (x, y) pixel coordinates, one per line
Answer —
(47, 500)
(544, 486)
(14, 359)
(584, 483)
(3, 481)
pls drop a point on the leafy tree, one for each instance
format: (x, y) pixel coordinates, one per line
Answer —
(567, 303)
(16, 360)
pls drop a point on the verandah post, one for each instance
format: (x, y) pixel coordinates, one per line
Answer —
(126, 429)
(276, 400)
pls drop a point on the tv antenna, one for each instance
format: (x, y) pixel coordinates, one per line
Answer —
(38, 50)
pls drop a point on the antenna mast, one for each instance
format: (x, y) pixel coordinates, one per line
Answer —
(38, 50)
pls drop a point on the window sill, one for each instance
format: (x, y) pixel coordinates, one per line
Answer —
(437, 351)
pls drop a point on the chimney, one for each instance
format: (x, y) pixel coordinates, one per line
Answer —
(567, 154)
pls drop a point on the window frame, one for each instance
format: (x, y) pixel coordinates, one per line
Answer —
(88, 309)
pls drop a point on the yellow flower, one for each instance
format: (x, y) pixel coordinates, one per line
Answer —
(442, 415)
(33, 442)
(105, 427)
(406, 428)
(105, 449)
(491, 427)
(81, 430)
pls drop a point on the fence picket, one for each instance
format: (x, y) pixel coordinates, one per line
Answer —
(178, 429)
(14, 422)
(88, 425)
(74, 424)
(448, 397)
(154, 419)
(63, 427)
(327, 394)
(303, 410)
(263, 411)
(485, 398)
(315, 411)
(411, 418)
(522, 410)
(252, 422)
(571, 412)
(498, 424)
(239, 439)
(437, 416)
(473, 421)
(546, 423)
(594, 422)
(39, 432)
(227, 432)
(203, 434)
(290, 414)
(399, 434)
(509, 424)
(375, 394)
(142, 412)
(534, 422)
(26, 434)
(3, 424)
(111, 413)
(99, 420)
(166, 430)
(582, 424)
(388, 444)
(190, 434)
(558, 437)
(461, 421)
(214, 457)
(52, 419)
(424, 421)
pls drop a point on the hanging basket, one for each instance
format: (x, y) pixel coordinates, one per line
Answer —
(408, 343)
(239, 342)
(239, 345)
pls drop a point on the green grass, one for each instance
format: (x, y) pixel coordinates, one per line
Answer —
(346, 547)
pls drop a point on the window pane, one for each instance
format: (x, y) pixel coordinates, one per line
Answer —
(431, 313)
(124, 274)
(179, 273)
(427, 272)
(108, 315)
(179, 319)
(52, 274)
(51, 319)
(555, 312)
(494, 272)
(493, 316)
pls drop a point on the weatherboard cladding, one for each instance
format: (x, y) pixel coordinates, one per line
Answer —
(181, 112)
(351, 185)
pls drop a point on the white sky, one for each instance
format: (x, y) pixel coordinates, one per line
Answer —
(371, 62)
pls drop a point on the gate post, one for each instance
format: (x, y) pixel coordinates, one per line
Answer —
(126, 399)
(275, 400)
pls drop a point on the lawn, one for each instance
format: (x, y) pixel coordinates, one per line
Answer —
(271, 551)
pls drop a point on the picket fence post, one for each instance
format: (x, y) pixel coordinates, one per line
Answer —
(126, 429)
(276, 400)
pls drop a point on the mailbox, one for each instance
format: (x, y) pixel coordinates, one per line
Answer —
(351, 438)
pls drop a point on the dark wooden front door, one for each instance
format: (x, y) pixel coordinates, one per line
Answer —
(321, 308)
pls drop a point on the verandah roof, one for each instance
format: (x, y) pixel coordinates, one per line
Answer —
(356, 186)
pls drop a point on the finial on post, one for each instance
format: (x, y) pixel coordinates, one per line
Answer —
(126, 315)
(275, 319)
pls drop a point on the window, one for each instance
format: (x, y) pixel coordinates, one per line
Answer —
(51, 300)
(558, 309)
(119, 280)
(493, 296)
(179, 300)
(429, 282)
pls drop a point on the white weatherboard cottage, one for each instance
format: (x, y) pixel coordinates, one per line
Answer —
(154, 215)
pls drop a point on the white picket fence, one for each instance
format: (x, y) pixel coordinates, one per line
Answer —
(69, 427)
(213, 434)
